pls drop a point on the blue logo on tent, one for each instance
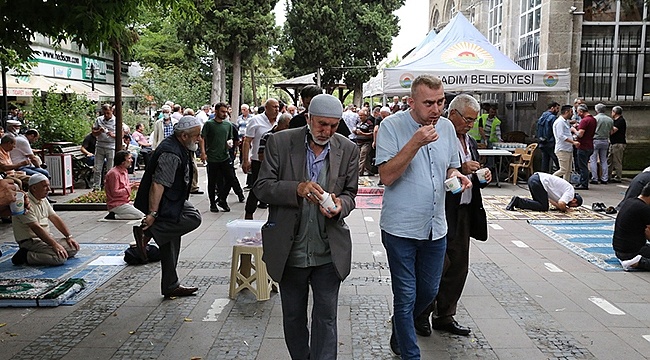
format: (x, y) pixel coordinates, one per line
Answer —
(550, 79)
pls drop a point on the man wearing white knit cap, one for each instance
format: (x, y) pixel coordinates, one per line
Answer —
(32, 230)
(309, 179)
(162, 195)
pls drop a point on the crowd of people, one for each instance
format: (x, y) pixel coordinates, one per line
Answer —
(304, 165)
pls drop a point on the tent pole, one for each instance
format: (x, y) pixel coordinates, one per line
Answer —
(514, 113)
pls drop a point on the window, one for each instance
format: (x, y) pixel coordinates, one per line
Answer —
(529, 31)
(450, 10)
(435, 18)
(615, 51)
(495, 13)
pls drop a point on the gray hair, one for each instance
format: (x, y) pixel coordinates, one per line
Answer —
(205, 107)
(385, 109)
(583, 107)
(245, 106)
(600, 108)
(284, 118)
(464, 101)
(8, 139)
(617, 110)
(189, 111)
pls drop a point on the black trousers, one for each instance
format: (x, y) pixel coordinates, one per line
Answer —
(251, 202)
(294, 291)
(539, 202)
(221, 178)
(456, 267)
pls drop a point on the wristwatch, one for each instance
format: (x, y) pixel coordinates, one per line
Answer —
(154, 214)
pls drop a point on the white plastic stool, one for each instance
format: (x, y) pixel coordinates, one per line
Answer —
(245, 259)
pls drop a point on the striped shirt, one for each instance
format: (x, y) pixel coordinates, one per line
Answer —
(166, 170)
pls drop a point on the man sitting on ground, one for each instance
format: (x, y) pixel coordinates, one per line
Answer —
(632, 231)
(32, 231)
(547, 188)
(118, 189)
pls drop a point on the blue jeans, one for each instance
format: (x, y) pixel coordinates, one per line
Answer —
(583, 166)
(33, 170)
(415, 270)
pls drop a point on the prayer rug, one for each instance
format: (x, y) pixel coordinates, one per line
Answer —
(369, 197)
(591, 240)
(495, 207)
(94, 263)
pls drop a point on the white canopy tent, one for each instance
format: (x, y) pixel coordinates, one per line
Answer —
(466, 61)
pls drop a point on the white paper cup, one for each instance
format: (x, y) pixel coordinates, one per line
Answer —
(480, 173)
(18, 207)
(230, 143)
(327, 202)
(453, 185)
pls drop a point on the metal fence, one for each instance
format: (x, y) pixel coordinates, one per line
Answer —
(610, 72)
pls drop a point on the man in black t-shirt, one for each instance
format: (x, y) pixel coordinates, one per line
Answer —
(617, 145)
(88, 147)
(632, 231)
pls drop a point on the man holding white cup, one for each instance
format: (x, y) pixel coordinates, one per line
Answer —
(465, 218)
(306, 240)
(416, 153)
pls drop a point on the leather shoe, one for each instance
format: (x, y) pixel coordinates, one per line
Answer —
(422, 325)
(454, 328)
(263, 205)
(512, 203)
(241, 198)
(580, 187)
(182, 291)
(197, 192)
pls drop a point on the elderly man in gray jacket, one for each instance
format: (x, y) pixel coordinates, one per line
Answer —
(306, 241)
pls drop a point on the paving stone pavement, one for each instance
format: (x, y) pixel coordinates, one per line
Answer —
(516, 307)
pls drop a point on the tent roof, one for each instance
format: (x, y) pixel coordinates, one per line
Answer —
(459, 46)
(466, 61)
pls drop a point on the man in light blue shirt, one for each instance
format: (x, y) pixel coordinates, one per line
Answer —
(417, 152)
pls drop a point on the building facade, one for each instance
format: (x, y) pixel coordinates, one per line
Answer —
(604, 43)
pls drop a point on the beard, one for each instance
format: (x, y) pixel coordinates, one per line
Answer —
(315, 140)
(192, 146)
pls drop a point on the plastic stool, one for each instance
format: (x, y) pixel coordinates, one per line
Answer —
(245, 259)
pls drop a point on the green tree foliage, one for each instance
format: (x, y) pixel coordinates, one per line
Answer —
(60, 117)
(233, 30)
(158, 41)
(346, 38)
(182, 86)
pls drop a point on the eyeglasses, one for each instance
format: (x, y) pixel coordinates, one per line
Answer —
(467, 121)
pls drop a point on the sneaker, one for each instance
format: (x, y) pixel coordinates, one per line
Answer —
(224, 206)
(598, 207)
(214, 208)
(394, 345)
(594, 182)
(627, 264)
(110, 216)
(615, 180)
(20, 257)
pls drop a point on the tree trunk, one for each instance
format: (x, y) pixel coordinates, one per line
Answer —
(254, 87)
(215, 93)
(236, 84)
(117, 82)
(224, 93)
(358, 94)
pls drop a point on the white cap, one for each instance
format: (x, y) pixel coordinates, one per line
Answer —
(36, 178)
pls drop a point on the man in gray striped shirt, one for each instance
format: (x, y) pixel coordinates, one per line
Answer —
(163, 194)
